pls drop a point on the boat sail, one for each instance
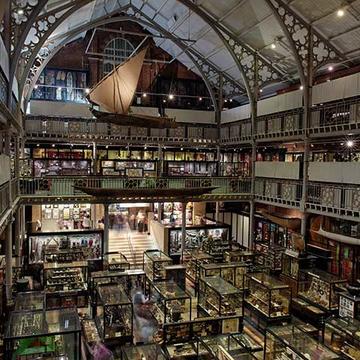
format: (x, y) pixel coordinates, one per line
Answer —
(115, 92)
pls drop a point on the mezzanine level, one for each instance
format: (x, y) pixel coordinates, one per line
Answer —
(60, 129)
(322, 198)
(337, 118)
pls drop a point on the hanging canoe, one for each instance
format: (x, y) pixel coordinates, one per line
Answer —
(337, 237)
(157, 122)
(145, 192)
(115, 93)
(286, 222)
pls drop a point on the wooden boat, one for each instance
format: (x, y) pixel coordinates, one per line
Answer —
(145, 192)
(286, 222)
(337, 237)
(135, 119)
(115, 92)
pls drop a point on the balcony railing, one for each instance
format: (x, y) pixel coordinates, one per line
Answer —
(62, 128)
(330, 118)
(65, 186)
(278, 191)
(336, 199)
(4, 198)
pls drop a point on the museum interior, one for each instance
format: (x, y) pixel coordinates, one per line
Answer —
(179, 179)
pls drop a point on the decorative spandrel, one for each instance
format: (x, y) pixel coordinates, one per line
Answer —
(252, 63)
(302, 36)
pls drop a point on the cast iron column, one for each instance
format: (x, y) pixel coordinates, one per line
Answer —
(8, 261)
(106, 229)
(306, 125)
(18, 237)
(253, 102)
(183, 229)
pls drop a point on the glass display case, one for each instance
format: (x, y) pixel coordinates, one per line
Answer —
(91, 337)
(130, 280)
(185, 331)
(240, 256)
(268, 296)
(66, 284)
(170, 303)
(292, 264)
(65, 246)
(321, 289)
(193, 260)
(343, 337)
(115, 261)
(143, 352)
(114, 314)
(289, 342)
(52, 334)
(349, 305)
(30, 300)
(211, 237)
(269, 256)
(233, 272)
(217, 297)
(228, 347)
(154, 263)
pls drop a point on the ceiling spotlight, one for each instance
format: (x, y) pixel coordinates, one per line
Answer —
(171, 96)
(225, 101)
(340, 13)
(200, 98)
(273, 46)
(20, 12)
(164, 101)
(230, 100)
(36, 87)
(349, 143)
(87, 91)
(59, 88)
(53, 145)
(37, 145)
(261, 90)
(182, 149)
(301, 87)
(144, 94)
(330, 68)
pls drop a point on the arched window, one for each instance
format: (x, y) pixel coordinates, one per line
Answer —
(116, 51)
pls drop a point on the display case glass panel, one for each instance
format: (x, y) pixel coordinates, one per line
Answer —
(349, 305)
(233, 272)
(321, 289)
(47, 334)
(211, 238)
(66, 284)
(115, 261)
(343, 337)
(143, 352)
(30, 300)
(269, 296)
(217, 297)
(193, 260)
(65, 246)
(154, 263)
(289, 342)
(114, 313)
(171, 303)
(239, 256)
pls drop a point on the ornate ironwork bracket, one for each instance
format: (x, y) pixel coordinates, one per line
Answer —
(311, 50)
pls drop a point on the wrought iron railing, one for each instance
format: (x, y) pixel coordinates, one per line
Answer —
(4, 198)
(278, 191)
(334, 196)
(65, 185)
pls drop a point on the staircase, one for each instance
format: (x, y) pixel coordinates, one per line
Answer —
(132, 244)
